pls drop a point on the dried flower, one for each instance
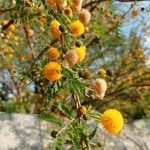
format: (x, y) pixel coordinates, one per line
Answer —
(99, 86)
(84, 16)
(71, 57)
(134, 12)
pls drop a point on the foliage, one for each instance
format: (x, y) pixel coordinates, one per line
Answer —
(61, 85)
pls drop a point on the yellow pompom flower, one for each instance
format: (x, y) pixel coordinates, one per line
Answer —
(53, 53)
(81, 51)
(102, 73)
(52, 71)
(112, 121)
(77, 28)
(54, 29)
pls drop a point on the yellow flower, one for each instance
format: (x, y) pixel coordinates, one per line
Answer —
(77, 28)
(4, 22)
(81, 51)
(52, 71)
(112, 121)
(54, 29)
(102, 73)
(53, 53)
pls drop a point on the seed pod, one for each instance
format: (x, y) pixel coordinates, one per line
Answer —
(85, 74)
(110, 72)
(142, 9)
(54, 133)
(71, 57)
(78, 44)
(61, 28)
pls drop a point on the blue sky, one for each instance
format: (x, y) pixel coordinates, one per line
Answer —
(136, 23)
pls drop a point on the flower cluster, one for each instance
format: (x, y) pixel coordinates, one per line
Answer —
(111, 119)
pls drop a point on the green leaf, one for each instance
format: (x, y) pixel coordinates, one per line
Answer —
(92, 134)
(75, 141)
(58, 142)
(85, 139)
(65, 110)
(51, 118)
(75, 86)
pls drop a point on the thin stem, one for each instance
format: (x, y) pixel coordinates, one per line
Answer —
(64, 128)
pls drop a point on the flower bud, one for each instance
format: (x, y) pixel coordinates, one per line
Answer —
(78, 44)
(82, 111)
(102, 73)
(54, 133)
(110, 72)
(85, 74)
(61, 28)
(68, 11)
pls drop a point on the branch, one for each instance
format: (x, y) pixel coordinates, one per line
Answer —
(6, 10)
